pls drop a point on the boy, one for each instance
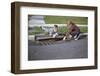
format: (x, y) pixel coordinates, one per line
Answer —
(54, 32)
(73, 31)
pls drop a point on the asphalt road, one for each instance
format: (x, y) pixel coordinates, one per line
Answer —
(73, 49)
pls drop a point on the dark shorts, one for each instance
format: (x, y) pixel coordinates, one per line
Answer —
(75, 33)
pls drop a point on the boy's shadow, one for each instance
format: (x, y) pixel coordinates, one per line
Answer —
(83, 36)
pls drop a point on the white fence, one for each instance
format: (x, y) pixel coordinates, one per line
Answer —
(52, 25)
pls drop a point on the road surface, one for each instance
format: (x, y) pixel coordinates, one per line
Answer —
(73, 49)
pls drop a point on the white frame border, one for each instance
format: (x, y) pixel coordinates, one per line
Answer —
(25, 64)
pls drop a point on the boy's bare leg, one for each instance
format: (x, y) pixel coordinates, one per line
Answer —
(67, 37)
(64, 38)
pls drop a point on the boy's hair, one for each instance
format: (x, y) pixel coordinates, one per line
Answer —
(71, 22)
(56, 26)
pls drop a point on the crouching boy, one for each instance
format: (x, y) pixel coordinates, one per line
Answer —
(73, 31)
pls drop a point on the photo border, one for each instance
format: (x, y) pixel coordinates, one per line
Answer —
(15, 36)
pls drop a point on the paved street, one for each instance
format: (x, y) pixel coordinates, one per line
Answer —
(59, 50)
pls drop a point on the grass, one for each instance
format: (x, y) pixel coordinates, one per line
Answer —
(65, 19)
(62, 29)
(36, 30)
(83, 29)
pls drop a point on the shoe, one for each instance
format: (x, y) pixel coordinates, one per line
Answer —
(76, 39)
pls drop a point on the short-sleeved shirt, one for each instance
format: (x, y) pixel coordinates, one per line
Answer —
(74, 28)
